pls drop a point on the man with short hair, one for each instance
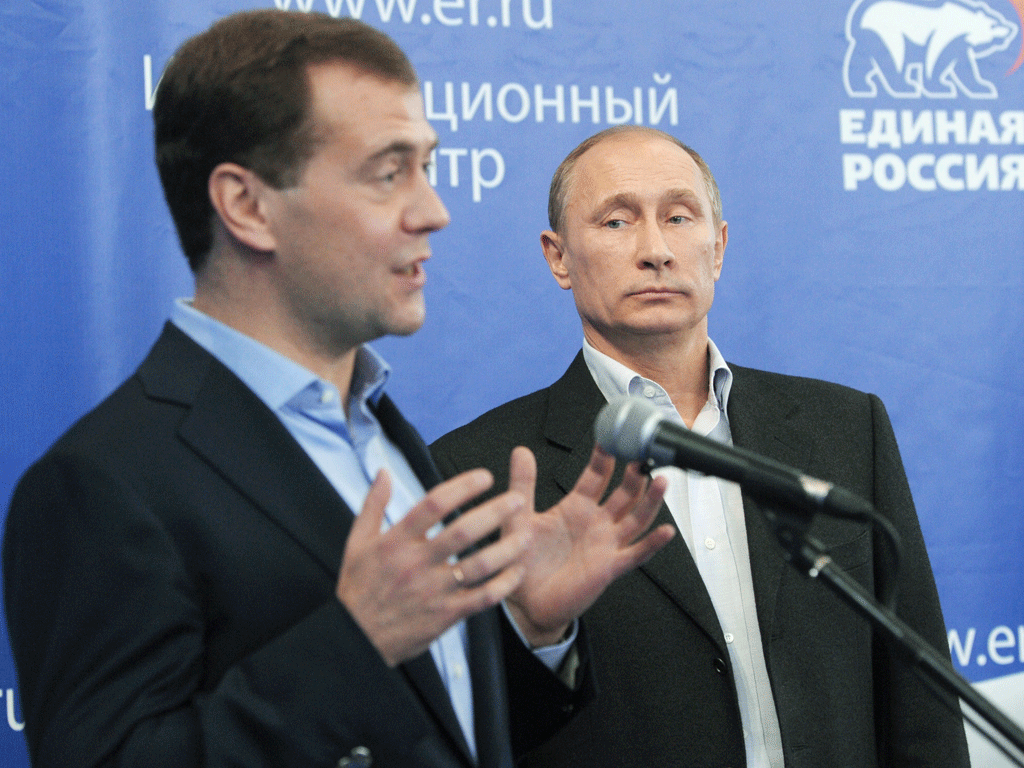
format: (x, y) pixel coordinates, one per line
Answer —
(185, 582)
(717, 652)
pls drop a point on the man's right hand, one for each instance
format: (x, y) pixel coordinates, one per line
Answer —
(404, 589)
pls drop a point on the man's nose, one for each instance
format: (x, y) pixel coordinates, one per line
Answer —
(653, 251)
(426, 213)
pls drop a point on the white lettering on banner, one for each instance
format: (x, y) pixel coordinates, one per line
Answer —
(930, 127)
(514, 103)
(476, 157)
(851, 126)
(946, 126)
(524, 102)
(593, 104)
(1012, 124)
(535, 14)
(558, 102)
(883, 129)
(921, 127)
(453, 156)
(483, 96)
(954, 171)
(449, 104)
(12, 718)
(495, 168)
(1003, 646)
(669, 101)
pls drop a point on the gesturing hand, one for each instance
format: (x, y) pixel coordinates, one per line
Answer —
(402, 588)
(580, 545)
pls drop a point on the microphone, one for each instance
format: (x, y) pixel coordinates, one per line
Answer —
(632, 429)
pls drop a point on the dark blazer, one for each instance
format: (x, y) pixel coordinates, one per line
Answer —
(667, 696)
(169, 576)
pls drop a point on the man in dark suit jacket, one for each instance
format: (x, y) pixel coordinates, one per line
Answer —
(637, 234)
(186, 580)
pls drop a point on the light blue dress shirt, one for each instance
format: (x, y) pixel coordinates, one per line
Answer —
(350, 452)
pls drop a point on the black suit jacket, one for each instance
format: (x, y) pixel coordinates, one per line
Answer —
(170, 567)
(667, 696)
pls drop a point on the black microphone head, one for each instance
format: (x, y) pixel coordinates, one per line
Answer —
(625, 428)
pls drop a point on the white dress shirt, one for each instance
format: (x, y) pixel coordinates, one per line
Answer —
(709, 514)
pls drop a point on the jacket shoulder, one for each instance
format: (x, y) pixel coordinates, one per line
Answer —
(517, 422)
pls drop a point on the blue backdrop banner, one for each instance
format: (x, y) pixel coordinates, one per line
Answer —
(870, 155)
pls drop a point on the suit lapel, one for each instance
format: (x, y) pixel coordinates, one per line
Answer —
(233, 430)
(236, 433)
(763, 419)
(490, 704)
(575, 401)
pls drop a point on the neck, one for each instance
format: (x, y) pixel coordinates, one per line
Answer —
(240, 304)
(677, 363)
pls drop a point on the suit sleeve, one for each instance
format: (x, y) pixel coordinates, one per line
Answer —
(110, 623)
(917, 727)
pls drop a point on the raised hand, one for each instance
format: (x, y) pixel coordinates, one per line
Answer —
(405, 589)
(580, 545)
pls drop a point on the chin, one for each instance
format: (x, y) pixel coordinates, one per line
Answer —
(407, 326)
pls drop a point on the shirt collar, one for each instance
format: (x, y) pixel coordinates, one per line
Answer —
(615, 379)
(274, 378)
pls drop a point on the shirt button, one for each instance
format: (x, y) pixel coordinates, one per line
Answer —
(709, 543)
(729, 637)
(326, 396)
(650, 391)
(458, 670)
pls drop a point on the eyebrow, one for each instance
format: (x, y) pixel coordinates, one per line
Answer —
(632, 200)
(399, 148)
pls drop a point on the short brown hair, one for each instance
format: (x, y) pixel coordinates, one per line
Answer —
(239, 92)
(563, 175)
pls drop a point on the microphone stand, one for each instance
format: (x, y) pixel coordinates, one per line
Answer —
(807, 555)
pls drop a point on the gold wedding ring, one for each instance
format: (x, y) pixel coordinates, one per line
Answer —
(460, 577)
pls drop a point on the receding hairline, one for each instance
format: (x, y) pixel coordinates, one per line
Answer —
(562, 182)
(322, 129)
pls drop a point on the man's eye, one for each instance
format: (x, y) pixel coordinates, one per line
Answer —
(676, 219)
(389, 173)
(615, 224)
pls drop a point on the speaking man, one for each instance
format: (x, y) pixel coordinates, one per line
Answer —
(717, 652)
(185, 582)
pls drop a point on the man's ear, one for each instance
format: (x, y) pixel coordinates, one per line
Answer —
(720, 242)
(237, 196)
(554, 253)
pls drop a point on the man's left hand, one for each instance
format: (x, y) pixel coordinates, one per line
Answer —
(580, 545)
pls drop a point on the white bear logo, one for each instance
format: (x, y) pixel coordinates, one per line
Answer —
(915, 48)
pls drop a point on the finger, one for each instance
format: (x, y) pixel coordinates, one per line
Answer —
(443, 499)
(638, 518)
(522, 473)
(472, 526)
(596, 475)
(371, 517)
(495, 557)
(489, 593)
(643, 550)
(634, 488)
